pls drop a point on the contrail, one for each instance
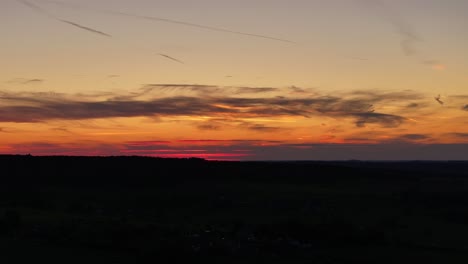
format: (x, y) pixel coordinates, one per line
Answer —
(36, 8)
(46, 13)
(85, 28)
(204, 27)
(358, 58)
(171, 21)
(171, 58)
(51, 16)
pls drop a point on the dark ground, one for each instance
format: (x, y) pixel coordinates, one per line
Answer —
(145, 210)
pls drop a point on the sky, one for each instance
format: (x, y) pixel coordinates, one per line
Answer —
(235, 80)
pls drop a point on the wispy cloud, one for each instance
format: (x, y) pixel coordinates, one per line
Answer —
(414, 137)
(413, 105)
(435, 64)
(170, 21)
(41, 107)
(171, 58)
(459, 96)
(458, 135)
(33, 81)
(85, 28)
(263, 128)
(26, 81)
(215, 124)
(209, 126)
(384, 120)
(44, 12)
(200, 90)
(409, 37)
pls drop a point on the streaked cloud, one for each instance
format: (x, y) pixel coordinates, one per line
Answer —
(458, 135)
(435, 65)
(209, 126)
(44, 12)
(92, 30)
(170, 21)
(33, 81)
(409, 37)
(413, 105)
(263, 128)
(414, 137)
(222, 103)
(384, 120)
(203, 90)
(26, 81)
(171, 58)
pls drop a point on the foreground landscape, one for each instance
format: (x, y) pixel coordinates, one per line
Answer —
(144, 210)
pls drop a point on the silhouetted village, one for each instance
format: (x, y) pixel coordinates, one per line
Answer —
(145, 210)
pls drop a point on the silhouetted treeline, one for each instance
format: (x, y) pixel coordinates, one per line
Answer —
(141, 170)
(144, 210)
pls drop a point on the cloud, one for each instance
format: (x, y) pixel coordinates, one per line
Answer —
(414, 137)
(459, 96)
(61, 129)
(381, 96)
(26, 81)
(209, 126)
(297, 90)
(44, 12)
(220, 123)
(262, 128)
(435, 65)
(413, 105)
(171, 21)
(43, 107)
(171, 58)
(384, 120)
(33, 81)
(409, 37)
(92, 30)
(201, 90)
(459, 135)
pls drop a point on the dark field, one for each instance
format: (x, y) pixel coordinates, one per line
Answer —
(145, 210)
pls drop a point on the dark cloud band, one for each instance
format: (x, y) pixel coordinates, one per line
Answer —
(38, 107)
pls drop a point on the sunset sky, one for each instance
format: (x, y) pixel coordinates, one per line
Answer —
(235, 80)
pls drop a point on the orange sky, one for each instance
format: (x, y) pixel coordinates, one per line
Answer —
(335, 79)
